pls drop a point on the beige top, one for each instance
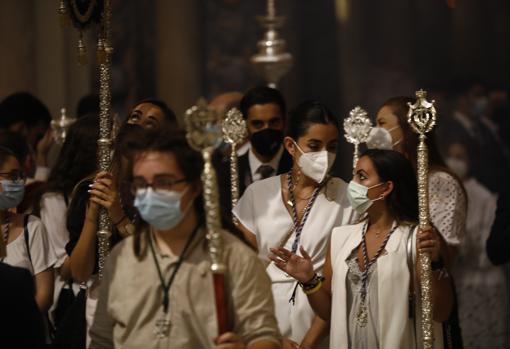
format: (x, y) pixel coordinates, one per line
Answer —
(130, 300)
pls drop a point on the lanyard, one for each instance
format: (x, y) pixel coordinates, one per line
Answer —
(166, 286)
(298, 226)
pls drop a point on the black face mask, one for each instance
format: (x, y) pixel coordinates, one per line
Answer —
(267, 142)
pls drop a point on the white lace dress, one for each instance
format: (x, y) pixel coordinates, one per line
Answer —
(447, 203)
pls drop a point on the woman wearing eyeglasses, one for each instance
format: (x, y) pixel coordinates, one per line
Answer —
(24, 235)
(157, 290)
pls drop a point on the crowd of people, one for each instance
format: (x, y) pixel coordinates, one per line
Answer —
(312, 260)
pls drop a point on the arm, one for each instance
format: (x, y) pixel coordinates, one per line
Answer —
(230, 340)
(249, 236)
(429, 241)
(83, 257)
(315, 334)
(301, 269)
(44, 290)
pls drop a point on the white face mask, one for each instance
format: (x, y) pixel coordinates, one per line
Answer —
(380, 138)
(316, 165)
(459, 167)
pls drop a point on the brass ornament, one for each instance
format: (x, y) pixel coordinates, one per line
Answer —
(272, 60)
(357, 129)
(234, 132)
(422, 117)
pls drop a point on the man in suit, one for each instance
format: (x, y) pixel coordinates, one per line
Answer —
(264, 110)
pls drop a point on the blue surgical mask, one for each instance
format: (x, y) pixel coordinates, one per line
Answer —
(161, 208)
(357, 194)
(12, 194)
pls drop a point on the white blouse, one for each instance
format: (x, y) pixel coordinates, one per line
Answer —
(447, 202)
(41, 251)
(54, 218)
(262, 211)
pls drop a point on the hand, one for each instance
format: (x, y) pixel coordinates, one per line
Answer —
(300, 268)
(43, 147)
(102, 193)
(289, 344)
(428, 241)
(229, 340)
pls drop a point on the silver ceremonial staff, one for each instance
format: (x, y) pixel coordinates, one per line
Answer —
(105, 129)
(234, 132)
(204, 134)
(422, 117)
(357, 128)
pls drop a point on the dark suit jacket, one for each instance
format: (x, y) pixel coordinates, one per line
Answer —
(498, 243)
(243, 167)
(21, 324)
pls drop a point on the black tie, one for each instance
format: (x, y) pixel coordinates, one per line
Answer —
(265, 171)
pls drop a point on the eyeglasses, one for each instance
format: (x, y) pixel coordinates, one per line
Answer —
(15, 176)
(159, 183)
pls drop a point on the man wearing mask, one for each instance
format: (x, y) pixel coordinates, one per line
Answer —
(264, 110)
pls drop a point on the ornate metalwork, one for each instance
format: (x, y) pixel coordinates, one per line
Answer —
(234, 132)
(422, 117)
(272, 61)
(204, 134)
(60, 126)
(357, 129)
(105, 131)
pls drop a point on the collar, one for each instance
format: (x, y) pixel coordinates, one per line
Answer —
(255, 163)
(199, 237)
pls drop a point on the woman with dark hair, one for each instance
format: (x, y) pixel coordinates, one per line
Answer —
(24, 236)
(370, 282)
(298, 208)
(447, 197)
(152, 113)
(170, 302)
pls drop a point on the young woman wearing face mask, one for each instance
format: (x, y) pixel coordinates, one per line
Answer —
(481, 290)
(447, 198)
(168, 254)
(25, 238)
(298, 208)
(368, 292)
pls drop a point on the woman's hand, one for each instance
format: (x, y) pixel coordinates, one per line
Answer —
(229, 340)
(102, 193)
(289, 344)
(300, 268)
(428, 241)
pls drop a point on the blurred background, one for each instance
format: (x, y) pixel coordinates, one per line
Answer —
(346, 52)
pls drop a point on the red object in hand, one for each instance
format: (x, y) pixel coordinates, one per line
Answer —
(221, 303)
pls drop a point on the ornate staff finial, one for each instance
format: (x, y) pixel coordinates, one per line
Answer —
(204, 134)
(234, 132)
(422, 115)
(422, 118)
(357, 129)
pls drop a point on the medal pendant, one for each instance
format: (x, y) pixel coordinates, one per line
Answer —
(362, 316)
(162, 328)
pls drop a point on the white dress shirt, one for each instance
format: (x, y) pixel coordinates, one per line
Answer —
(255, 163)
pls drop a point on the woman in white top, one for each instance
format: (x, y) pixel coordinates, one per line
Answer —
(25, 236)
(298, 208)
(370, 272)
(447, 197)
